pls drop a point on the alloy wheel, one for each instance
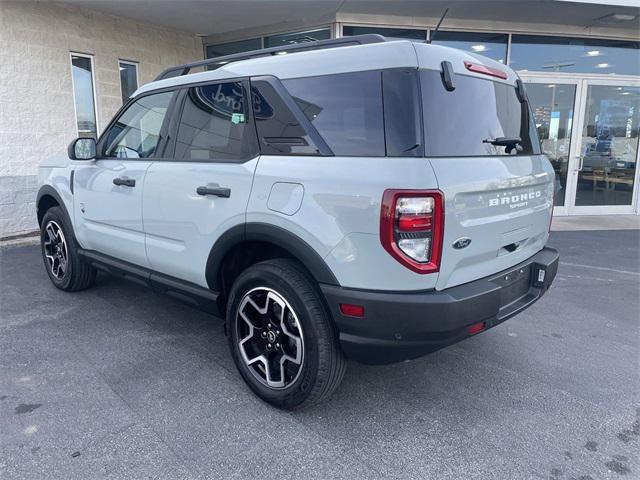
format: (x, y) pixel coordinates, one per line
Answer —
(55, 249)
(270, 338)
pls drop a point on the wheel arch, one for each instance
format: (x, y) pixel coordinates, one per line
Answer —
(48, 197)
(247, 244)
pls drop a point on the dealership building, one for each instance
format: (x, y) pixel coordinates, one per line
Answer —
(67, 67)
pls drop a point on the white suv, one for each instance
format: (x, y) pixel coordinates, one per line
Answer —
(358, 197)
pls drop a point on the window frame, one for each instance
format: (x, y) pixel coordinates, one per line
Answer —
(173, 123)
(93, 87)
(164, 138)
(137, 66)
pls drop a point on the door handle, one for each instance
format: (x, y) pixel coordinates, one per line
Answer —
(217, 191)
(580, 163)
(124, 182)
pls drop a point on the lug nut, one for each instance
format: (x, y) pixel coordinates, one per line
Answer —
(268, 345)
(264, 334)
(277, 345)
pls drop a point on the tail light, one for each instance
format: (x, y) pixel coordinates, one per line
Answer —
(493, 72)
(411, 228)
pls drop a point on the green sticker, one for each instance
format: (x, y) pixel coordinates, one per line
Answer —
(237, 118)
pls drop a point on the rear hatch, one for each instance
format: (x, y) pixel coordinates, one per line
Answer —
(498, 191)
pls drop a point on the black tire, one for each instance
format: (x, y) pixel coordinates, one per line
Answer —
(323, 364)
(77, 274)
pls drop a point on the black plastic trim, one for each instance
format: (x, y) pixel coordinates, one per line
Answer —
(403, 325)
(187, 292)
(278, 236)
(50, 191)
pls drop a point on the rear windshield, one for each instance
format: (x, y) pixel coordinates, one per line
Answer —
(465, 121)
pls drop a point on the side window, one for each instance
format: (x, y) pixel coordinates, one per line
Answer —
(136, 133)
(402, 117)
(346, 109)
(278, 130)
(215, 124)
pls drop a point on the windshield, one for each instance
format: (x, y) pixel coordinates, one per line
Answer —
(479, 118)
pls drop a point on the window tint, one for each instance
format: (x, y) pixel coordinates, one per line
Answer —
(492, 45)
(457, 123)
(588, 55)
(215, 124)
(402, 124)
(346, 110)
(136, 133)
(389, 33)
(279, 131)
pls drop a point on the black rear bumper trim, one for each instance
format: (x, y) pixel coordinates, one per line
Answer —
(406, 325)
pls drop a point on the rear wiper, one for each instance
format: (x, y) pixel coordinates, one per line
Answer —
(507, 142)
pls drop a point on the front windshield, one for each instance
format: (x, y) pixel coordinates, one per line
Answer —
(479, 118)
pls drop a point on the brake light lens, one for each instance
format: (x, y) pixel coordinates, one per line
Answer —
(411, 228)
(493, 72)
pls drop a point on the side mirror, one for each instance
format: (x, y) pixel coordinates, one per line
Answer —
(82, 149)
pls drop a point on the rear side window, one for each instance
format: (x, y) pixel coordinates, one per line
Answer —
(346, 109)
(464, 121)
(215, 124)
(279, 131)
(136, 133)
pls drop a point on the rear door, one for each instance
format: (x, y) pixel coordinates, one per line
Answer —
(108, 191)
(201, 189)
(498, 195)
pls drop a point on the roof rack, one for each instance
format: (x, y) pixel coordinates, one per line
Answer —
(218, 62)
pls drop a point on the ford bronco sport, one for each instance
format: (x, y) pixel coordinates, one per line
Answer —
(354, 198)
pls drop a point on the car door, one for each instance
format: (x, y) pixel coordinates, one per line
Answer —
(201, 189)
(108, 191)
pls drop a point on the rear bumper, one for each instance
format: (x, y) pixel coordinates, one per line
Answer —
(401, 326)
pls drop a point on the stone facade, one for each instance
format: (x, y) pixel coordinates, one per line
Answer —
(37, 116)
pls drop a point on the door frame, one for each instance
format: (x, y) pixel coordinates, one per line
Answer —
(582, 83)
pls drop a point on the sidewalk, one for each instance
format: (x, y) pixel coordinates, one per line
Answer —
(600, 222)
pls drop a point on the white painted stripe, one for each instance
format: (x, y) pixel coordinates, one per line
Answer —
(605, 269)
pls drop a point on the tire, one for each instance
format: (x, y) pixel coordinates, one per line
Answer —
(64, 266)
(278, 293)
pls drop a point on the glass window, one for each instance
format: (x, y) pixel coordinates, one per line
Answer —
(402, 113)
(297, 37)
(346, 109)
(559, 54)
(391, 33)
(128, 79)
(464, 122)
(82, 73)
(552, 106)
(279, 131)
(609, 146)
(215, 124)
(233, 47)
(136, 133)
(492, 45)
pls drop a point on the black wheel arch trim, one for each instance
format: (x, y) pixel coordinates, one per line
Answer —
(48, 190)
(265, 232)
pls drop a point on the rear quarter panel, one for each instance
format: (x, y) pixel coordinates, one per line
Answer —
(339, 215)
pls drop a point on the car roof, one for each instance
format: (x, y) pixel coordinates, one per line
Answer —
(346, 59)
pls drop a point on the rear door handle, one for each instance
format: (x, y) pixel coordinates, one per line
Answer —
(217, 191)
(124, 182)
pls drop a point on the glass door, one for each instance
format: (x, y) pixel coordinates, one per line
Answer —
(605, 173)
(554, 103)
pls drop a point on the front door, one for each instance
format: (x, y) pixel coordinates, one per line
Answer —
(108, 191)
(589, 130)
(202, 188)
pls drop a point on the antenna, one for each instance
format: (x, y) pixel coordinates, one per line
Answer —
(433, 34)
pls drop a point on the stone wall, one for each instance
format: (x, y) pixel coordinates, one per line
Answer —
(37, 116)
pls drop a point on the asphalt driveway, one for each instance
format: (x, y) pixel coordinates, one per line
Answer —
(118, 382)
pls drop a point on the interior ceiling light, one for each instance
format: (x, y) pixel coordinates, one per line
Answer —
(478, 48)
(602, 65)
(614, 18)
(593, 53)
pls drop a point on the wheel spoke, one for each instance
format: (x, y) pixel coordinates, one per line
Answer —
(271, 349)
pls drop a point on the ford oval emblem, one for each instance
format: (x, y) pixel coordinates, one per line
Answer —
(461, 243)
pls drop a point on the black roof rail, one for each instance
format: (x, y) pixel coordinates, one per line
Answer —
(217, 62)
